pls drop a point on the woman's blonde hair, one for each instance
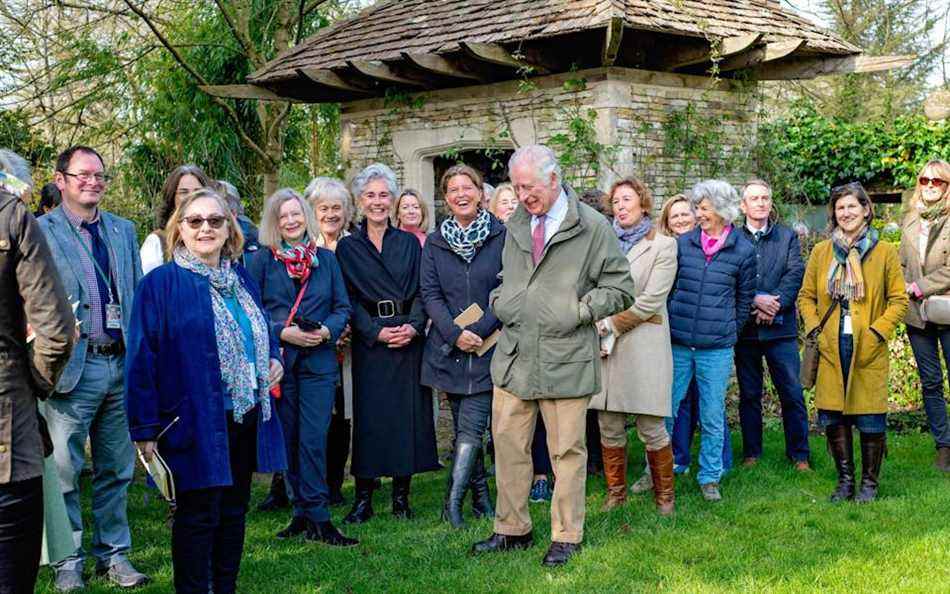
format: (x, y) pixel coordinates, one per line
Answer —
(943, 170)
(424, 222)
(233, 246)
(270, 218)
(664, 221)
(501, 189)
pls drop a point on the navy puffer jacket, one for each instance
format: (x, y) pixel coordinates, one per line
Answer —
(710, 303)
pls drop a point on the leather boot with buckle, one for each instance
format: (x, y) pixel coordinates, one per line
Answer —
(661, 468)
(841, 448)
(873, 448)
(362, 509)
(615, 472)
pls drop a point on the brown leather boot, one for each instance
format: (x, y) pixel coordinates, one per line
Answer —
(661, 467)
(615, 471)
(942, 461)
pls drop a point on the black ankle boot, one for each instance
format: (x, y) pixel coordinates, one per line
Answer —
(841, 448)
(401, 497)
(298, 525)
(327, 533)
(873, 448)
(481, 495)
(277, 498)
(462, 465)
(362, 502)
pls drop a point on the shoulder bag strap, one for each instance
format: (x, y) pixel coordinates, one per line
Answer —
(817, 330)
(293, 310)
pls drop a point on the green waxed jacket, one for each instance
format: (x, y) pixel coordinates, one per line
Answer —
(549, 347)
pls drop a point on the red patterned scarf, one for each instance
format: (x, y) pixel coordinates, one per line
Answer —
(299, 259)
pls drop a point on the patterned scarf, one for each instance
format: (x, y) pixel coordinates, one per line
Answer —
(632, 236)
(845, 278)
(236, 370)
(932, 213)
(465, 242)
(299, 259)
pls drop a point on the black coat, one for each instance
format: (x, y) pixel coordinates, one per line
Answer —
(449, 286)
(393, 430)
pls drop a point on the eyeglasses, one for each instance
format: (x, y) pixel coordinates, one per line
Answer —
(85, 178)
(935, 181)
(847, 186)
(195, 222)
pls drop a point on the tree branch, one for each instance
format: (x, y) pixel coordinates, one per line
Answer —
(239, 35)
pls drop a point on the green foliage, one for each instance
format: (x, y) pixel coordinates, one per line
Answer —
(581, 154)
(16, 135)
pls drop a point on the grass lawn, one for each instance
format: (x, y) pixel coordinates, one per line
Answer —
(774, 532)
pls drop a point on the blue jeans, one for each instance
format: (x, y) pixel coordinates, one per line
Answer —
(95, 408)
(784, 368)
(684, 427)
(869, 423)
(926, 345)
(711, 368)
(305, 408)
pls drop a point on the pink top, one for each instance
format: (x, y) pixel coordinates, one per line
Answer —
(419, 233)
(711, 245)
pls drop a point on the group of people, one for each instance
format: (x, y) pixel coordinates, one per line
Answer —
(245, 349)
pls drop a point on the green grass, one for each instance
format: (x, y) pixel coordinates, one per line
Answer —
(774, 532)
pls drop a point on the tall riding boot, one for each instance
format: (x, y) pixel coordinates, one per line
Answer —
(481, 494)
(465, 454)
(873, 448)
(615, 471)
(362, 502)
(401, 497)
(277, 498)
(841, 448)
(661, 469)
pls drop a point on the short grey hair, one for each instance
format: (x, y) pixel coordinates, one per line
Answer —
(323, 189)
(269, 234)
(15, 165)
(755, 182)
(374, 172)
(231, 195)
(541, 157)
(721, 194)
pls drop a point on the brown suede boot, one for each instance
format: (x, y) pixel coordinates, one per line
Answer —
(615, 471)
(661, 467)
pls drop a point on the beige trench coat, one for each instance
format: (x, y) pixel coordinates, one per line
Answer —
(638, 374)
(933, 275)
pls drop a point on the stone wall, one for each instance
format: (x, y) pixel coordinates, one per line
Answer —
(631, 107)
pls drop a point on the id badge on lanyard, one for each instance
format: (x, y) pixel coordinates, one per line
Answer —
(113, 316)
(847, 324)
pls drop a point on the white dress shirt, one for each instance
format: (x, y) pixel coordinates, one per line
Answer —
(555, 216)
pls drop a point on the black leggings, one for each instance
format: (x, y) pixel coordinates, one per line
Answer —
(21, 535)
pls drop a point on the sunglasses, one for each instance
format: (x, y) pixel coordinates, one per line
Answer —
(935, 181)
(195, 222)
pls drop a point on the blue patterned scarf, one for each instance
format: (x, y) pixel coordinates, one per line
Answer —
(237, 372)
(465, 242)
(632, 236)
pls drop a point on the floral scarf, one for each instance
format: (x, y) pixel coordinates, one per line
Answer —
(299, 259)
(466, 241)
(631, 237)
(237, 372)
(845, 278)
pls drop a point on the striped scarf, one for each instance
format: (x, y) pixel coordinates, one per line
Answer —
(845, 278)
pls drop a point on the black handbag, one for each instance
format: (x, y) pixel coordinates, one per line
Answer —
(809, 371)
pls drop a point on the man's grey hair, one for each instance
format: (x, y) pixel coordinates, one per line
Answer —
(721, 194)
(15, 165)
(756, 181)
(371, 173)
(269, 234)
(540, 157)
(232, 196)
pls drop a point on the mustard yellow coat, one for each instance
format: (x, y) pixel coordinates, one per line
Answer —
(881, 310)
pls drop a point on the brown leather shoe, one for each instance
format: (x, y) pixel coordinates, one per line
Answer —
(943, 459)
(661, 468)
(750, 461)
(803, 466)
(615, 472)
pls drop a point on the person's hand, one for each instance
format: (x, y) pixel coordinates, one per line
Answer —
(276, 373)
(147, 448)
(603, 353)
(763, 318)
(295, 336)
(345, 336)
(403, 335)
(386, 335)
(468, 341)
(767, 303)
(602, 328)
(324, 333)
(914, 291)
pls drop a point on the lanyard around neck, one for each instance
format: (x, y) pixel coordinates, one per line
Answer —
(95, 263)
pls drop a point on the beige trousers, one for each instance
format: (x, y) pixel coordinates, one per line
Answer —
(650, 429)
(513, 421)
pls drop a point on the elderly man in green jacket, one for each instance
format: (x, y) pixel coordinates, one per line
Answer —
(562, 271)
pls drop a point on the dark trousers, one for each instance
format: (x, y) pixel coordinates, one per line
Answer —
(338, 443)
(540, 457)
(784, 369)
(470, 416)
(595, 455)
(927, 344)
(208, 527)
(21, 535)
(685, 422)
(305, 408)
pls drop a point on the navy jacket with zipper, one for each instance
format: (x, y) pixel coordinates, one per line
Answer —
(779, 271)
(710, 303)
(448, 286)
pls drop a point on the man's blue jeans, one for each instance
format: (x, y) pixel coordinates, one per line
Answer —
(784, 368)
(711, 368)
(95, 408)
(926, 345)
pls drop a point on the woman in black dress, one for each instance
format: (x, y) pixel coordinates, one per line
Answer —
(393, 431)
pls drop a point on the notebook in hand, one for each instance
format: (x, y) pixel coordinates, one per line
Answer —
(472, 314)
(161, 474)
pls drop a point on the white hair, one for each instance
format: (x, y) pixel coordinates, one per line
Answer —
(15, 165)
(322, 189)
(269, 234)
(722, 195)
(540, 157)
(232, 196)
(373, 172)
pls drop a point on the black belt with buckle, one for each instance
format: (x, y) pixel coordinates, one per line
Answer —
(106, 350)
(388, 308)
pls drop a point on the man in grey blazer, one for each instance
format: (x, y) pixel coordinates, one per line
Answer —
(97, 256)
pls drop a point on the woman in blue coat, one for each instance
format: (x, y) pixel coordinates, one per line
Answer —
(199, 366)
(461, 262)
(708, 306)
(303, 291)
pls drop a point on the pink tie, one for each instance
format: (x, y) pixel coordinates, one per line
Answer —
(537, 240)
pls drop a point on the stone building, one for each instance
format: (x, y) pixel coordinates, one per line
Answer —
(614, 85)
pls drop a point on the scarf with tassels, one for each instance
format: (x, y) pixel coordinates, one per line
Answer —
(299, 259)
(845, 278)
